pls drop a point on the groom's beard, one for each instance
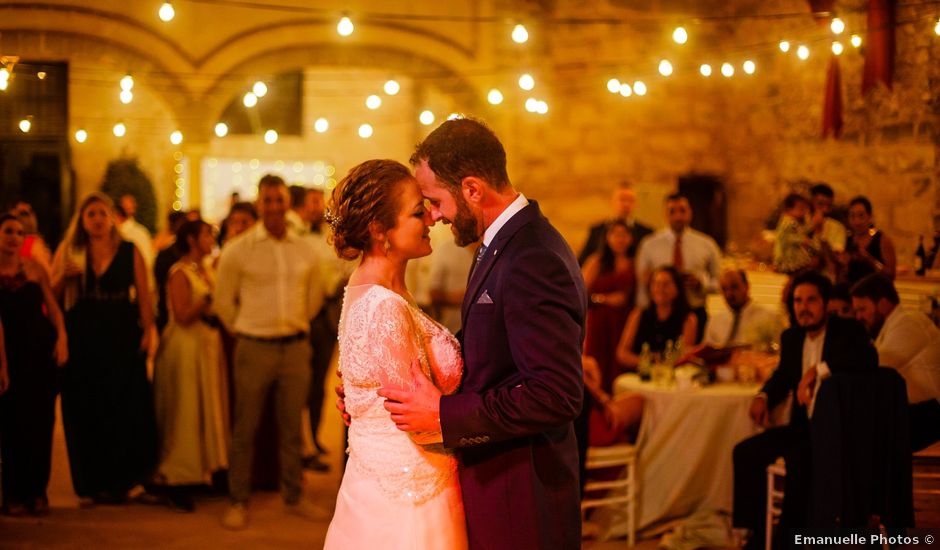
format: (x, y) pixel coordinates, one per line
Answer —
(464, 224)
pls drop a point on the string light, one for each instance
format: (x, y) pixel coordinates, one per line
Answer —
(365, 131)
(495, 97)
(392, 87)
(837, 48)
(250, 100)
(453, 116)
(321, 125)
(680, 36)
(542, 108)
(936, 28)
(665, 67)
(705, 69)
(532, 105)
(166, 12)
(639, 88)
(126, 96)
(270, 137)
(127, 83)
(426, 118)
(4, 74)
(526, 82)
(81, 135)
(837, 25)
(345, 26)
(784, 46)
(519, 34)
(41, 75)
(802, 52)
(626, 90)
(176, 137)
(727, 69)
(260, 89)
(613, 85)
(749, 67)
(119, 130)
(221, 129)
(25, 125)
(856, 41)
(373, 102)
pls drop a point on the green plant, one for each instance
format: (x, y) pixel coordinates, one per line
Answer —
(124, 177)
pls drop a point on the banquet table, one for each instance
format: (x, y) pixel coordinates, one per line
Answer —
(684, 449)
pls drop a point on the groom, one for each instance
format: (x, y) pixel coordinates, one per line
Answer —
(523, 324)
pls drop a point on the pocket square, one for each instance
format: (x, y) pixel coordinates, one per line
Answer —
(484, 298)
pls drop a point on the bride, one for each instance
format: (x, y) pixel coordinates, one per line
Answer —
(399, 490)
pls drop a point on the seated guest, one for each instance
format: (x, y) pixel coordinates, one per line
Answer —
(908, 342)
(867, 250)
(815, 346)
(613, 419)
(828, 232)
(668, 317)
(794, 251)
(745, 322)
(840, 302)
(624, 202)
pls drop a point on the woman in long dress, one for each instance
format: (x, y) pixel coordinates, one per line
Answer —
(399, 491)
(107, 404)
(36, 343)
(189, 389)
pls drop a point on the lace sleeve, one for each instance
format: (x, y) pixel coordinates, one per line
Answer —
(393, 344)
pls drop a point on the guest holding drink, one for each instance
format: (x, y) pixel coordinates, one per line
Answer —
(35, 344)
(107, 405)
(868, 250)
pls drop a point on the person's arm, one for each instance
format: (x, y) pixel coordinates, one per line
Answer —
(898, 347)
(625, 353)
(227, 281)
(689, 331)
(787, 375)
(144, 306)
(590, 270)
(62, 269)
(543, 318)
(890, 264)
(186, 311)
(40, 253)
(712, 268)
(316, 286)
(54, 313)
(643, 267)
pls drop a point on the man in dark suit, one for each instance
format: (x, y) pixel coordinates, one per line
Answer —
(624, 201)
(523, 319)
(819, 345)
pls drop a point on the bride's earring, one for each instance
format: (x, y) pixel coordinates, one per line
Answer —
(388, 246)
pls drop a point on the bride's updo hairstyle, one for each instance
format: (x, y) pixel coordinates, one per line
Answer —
(368, 193)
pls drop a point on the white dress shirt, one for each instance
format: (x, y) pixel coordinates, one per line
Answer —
(757, 326)
(701, 257)
(268, 288)
(138, 234)
(812, 357)
(510, 211)
(910, 343)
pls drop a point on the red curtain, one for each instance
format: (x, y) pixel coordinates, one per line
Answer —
(879, 48)
(832, 104)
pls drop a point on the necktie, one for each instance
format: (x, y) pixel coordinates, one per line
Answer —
(480, 253)
(734, 327)
(677, 261)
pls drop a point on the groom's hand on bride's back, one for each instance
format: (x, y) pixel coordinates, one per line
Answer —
(415, 410)
(341, 402)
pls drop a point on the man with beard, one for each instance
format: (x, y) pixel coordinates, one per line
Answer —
(523, 324)
(818, 345)
(908, 342)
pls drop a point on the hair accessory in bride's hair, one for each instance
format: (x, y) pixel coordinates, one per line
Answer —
(332, 219)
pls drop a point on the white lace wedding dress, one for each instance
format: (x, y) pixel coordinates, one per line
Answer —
(399, 491)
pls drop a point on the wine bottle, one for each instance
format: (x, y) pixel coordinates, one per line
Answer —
(920, 259)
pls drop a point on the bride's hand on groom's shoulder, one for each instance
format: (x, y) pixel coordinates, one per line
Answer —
(341, 401)
(415, 410)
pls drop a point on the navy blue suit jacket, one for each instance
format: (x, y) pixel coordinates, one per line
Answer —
(523, 325)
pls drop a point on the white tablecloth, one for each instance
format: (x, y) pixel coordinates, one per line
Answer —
(686, 438)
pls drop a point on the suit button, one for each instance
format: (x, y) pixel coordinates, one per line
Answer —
(486, 438)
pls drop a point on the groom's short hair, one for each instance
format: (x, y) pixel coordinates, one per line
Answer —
(461, 148)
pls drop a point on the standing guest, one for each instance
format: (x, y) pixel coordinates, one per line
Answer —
(815, 346)
(165, 238)
(268, 290)
(667, 317)
(447, 284)
(166, 257)
(34, 247)
(624, 203)
(188, 381)
(35, 344)
(908, 342)
(868, 250)
(829, 233)
(794, 251)
(107, 403)
(693, 254)
(840, 302)
(745, 322)
(132, 230)
(240, 218)
(610, 281)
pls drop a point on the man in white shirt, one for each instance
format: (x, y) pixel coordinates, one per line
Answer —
(829, 232)
(133, 231)
(268, 290)
(694, 254)
(745, 322)
(908, 342)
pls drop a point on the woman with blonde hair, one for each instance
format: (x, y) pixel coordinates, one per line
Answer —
(107, 405)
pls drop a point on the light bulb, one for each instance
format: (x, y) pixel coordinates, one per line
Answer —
(541, 108)
(166, 12)
(345, 26)
(127, 82)
(259, 89)
(705, 69)
(426, 118)
(626, 90)
(365, 131)
(126, 96)
(532, 105)
(837, 25)
(81, 135)
(250, 100)
(176, 137)
(665, 68)
(857, 40)
(639, 87)
(749, 66)
(453, 116)
(495, 97)
(119, 129)
(4, 73)
(936, 28)
(321, 125)
(837, 48)
(680, 36)
(802, 52)
(4, 84)
(519, 34)
(270, 137)
(784, 46)
(221, 129)
(392, 87)
(25, 125)
(727, 70)
(373, 102)
(526, 82)
(613, 85)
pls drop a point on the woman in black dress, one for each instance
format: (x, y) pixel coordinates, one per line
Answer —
(35, 344)
(867, 250)
(107, 404)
